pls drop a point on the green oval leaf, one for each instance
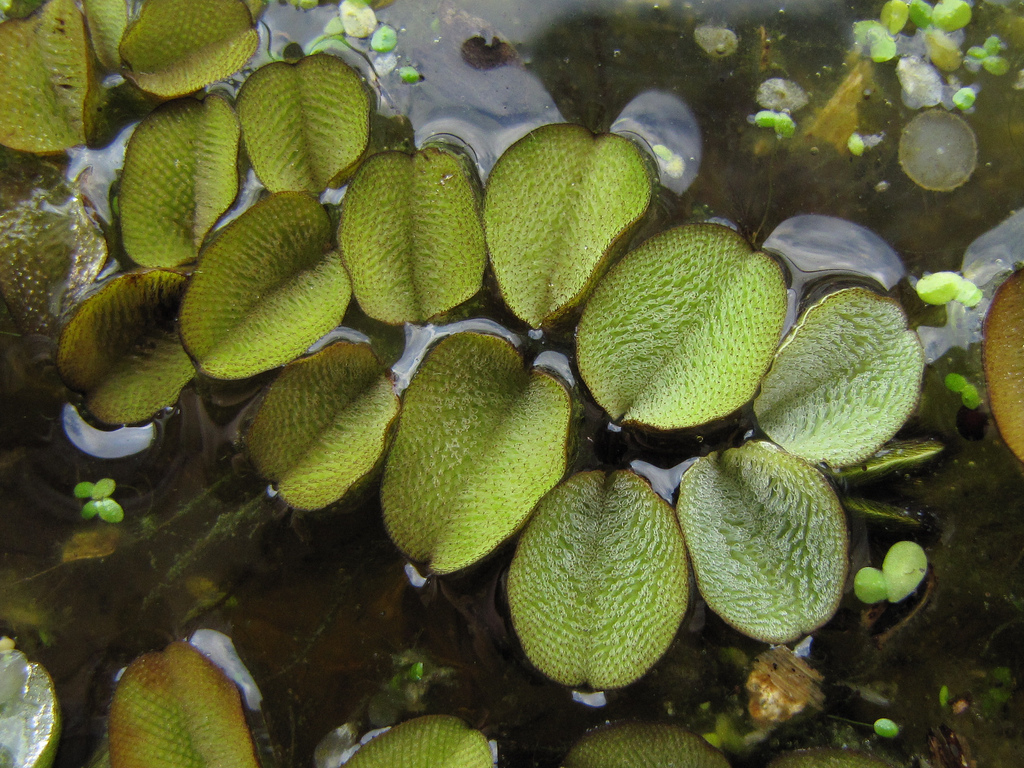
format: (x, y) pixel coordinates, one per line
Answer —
(121, 348)
(107, 20)
(1004, 361)
(844, 380)
(431, 741)
(176, 47)
(173, 709)
(180, 175)
(557, 201)
(265, 289)
(304, 124)
(411, 235)
(323, 424)
(480, 440)
(827, 758)
(643, 745)
(767, 538)
(45, 68)
(680, 332)
(599, 582)
(29, 713)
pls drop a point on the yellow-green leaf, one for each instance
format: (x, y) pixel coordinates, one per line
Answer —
(431, 741)
(1004, 361)
(107, 20)
(304, 124)
(643, 745)
(180, 175)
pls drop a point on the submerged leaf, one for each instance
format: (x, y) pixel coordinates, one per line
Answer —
(481, 439)
(767, 538)
(599, 582)
(173, 709)
(411, 235)
(322, 426)
(895, 457)
(431, 741)
(29, 713)
(176, 47)
(681, 331)
(844, 381)
(304, 124)
(1004, 361)
(827, 758)
(265, 289)
(180, 175)
(557, 201)
(46, 71)
(121, 348)
(643, 745)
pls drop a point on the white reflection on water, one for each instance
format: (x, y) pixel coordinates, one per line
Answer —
(105, 444)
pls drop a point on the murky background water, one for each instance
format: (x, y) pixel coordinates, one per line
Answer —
(320, 606)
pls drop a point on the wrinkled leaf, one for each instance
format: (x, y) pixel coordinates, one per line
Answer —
(599, 582)
(173, 709)
(432, 741)
(895, 457)
(107, 20)
(557, 201)
(180, 175)
(121, 349)
(643, 745)
(767, 538)
(176, 47)
(29, 713)
(480, 440)
(827, 758)
(844, 380)
(1004, 361)
(411, 235)
(265, 289)
(304, 124)
(681, 331)
(52, 252)
(46, 71)
(323, 423)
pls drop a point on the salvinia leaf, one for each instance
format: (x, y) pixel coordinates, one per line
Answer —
(481, 439)
(305, 124)
(827, 758)
(599, 582)
(643, 745)
(1004, 361)
(175, 47)
(323, 424)
(267, 287)
(844, 380)
(411, 235)
(767, 539)
(122, 350)
(180, 175)
(107, 21)
(557, 201)
(431, 741)
(680, 332)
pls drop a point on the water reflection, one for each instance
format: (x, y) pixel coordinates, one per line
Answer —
(667, 126)
(105, 444)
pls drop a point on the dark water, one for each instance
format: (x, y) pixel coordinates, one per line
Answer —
(319, 606)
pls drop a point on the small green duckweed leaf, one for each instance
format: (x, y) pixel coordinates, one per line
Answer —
(101, 489)
(767, 539)
(30, 719)
(431, 741)
(305, 124)
(265, 289)
(480, 440)
(904, 567)
(680, 332)
(411, 236)
(870, 585)
(643, 745)
(827, 758)
(898, 456)
(174, 708)
(107, 20)
(844, 380)
(45, 68)
(605, 615)
(176, 47)
(886, 728)
(180, 175)
(108, 510)
(557, 201)
(1004, 361)
(323, 424)
(83, 490)
(121, 348)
